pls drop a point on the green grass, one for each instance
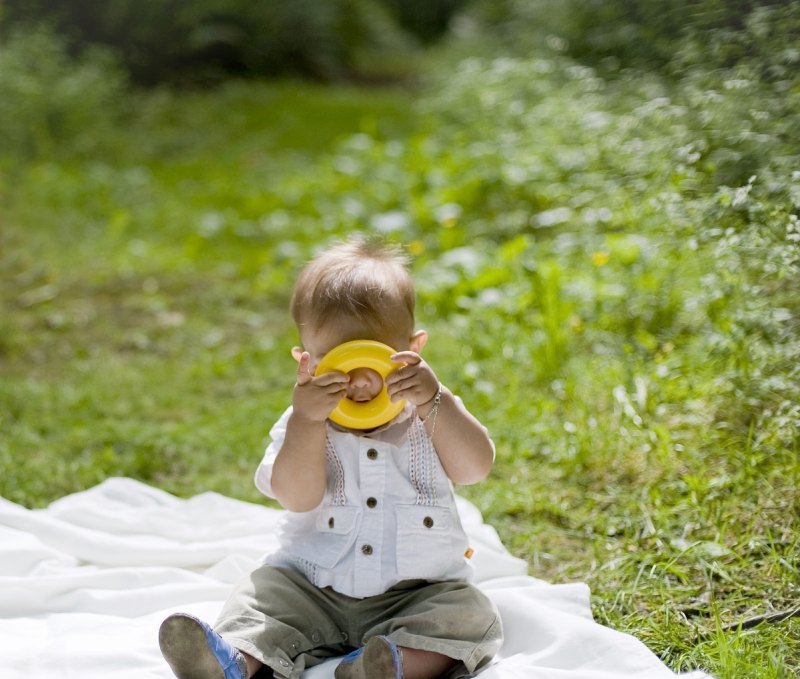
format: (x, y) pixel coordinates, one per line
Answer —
(616, 307)
(136, 329)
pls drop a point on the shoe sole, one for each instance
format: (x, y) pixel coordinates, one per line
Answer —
(184, 646)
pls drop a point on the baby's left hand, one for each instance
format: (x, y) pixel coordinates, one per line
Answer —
(415, 381)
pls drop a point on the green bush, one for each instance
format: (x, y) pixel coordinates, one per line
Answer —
(53, 103)
(426, 19)
(753, 232)
(762, 39)
(709, 33)
(172, 40)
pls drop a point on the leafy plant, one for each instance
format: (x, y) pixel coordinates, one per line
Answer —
(173, 41)
(51, 103)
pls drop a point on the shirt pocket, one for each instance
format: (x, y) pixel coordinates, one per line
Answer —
(336, 530)
(424, 541)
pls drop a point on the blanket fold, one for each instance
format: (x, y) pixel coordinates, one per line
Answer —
(85, 583)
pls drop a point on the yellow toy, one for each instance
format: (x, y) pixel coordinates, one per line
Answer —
(362, 354)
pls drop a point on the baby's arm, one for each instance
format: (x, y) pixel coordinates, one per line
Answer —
(298, 474)
(461, 441)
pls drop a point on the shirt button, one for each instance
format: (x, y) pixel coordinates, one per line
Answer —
(372, 454)
(315, 637)
(331, 522)
(366, 550)
(285, 663)
(372, 502)
(427, 522)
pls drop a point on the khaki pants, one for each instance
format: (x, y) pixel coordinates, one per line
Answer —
(287, 623)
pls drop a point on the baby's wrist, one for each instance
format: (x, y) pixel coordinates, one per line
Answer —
(425, 408)
(300, 417)
(429, 419)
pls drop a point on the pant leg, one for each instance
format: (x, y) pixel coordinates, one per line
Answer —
(452, 618)
(282, 620)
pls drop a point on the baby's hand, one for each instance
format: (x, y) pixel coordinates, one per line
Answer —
(415, 381)
(315, 398)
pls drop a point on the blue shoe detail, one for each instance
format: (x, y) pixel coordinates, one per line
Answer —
(350, 657)
(195, 651)
(397, 659)
(379, 657)
(225, 654)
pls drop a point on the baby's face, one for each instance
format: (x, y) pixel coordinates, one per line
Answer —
(365, 383)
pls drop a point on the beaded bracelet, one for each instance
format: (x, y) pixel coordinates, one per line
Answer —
(437, 399)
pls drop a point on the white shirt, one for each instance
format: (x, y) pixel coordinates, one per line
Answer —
(388, 514)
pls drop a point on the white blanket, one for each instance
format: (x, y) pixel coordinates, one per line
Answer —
(85, 583)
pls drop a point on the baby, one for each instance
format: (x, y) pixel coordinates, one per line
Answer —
(373, 559)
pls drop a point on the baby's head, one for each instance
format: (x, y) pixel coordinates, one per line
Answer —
(358, 289)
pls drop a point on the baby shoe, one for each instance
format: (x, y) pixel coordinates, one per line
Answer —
(379, 658)
(195, 651)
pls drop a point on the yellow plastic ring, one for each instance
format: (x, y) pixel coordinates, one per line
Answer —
(362, 354)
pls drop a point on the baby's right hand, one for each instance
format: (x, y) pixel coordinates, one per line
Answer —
(315, 398)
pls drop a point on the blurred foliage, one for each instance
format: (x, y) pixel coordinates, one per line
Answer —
(651, 34)
(175, 41)
(608, 261)
(426, 19)
(54, 104)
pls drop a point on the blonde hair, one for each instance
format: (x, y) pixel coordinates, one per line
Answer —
(360, 279)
